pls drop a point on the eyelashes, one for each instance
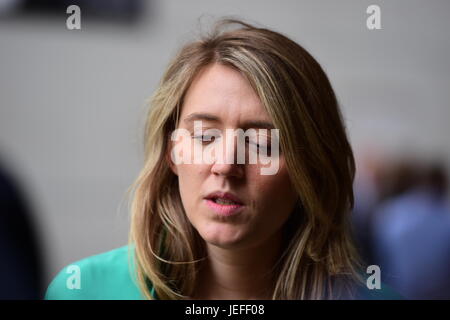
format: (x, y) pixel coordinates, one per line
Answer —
(207, 139)
(204, 138)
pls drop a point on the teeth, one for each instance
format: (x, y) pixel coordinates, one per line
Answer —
(224, 201)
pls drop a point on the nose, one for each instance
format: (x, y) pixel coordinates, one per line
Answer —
(226, 164)
(228, 170)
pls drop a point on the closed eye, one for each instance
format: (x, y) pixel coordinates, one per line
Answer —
(204, 138)
(259, 147)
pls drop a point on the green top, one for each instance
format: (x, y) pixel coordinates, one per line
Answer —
(111, 276)
(106, 276)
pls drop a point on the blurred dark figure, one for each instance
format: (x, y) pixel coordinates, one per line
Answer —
(126, 12)
(20, 264)
(411, 232)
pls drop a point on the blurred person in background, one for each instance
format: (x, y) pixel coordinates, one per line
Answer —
(20, 260)
(411, 231)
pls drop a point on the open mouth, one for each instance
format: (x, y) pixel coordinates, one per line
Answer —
(225, 202)
(224, 207)
(224, 198)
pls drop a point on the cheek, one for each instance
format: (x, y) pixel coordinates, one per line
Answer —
(278, 183)
(190, 179)
(275, 192)
(190, 173)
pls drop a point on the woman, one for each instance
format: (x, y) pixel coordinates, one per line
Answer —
(222, 229)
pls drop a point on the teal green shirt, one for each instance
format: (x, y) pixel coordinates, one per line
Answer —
(106, 276)
(111, 276)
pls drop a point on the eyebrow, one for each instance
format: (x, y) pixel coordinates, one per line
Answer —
(209, 117)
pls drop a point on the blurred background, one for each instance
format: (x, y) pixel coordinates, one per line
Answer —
(72, 104)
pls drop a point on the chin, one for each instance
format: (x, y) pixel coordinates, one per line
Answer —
(221, 238)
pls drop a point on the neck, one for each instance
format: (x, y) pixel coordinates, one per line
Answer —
(241, 274)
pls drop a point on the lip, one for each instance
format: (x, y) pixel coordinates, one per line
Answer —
(224, 209)
(224, 195)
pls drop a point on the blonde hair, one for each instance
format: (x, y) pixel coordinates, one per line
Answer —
(320, 261)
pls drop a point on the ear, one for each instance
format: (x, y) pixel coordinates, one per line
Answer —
(168, 158)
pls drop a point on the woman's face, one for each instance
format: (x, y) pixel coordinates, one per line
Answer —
(223, 99)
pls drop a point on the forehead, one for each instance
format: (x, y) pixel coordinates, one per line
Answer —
(225, 93)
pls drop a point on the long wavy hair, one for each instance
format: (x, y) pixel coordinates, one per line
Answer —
(319, 260)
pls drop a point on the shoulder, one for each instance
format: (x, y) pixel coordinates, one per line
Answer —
(108, 276)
